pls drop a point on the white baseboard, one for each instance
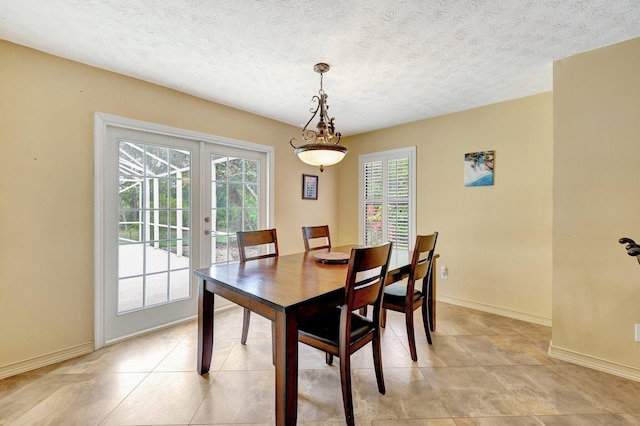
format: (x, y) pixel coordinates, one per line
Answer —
(589, 361)
(496, 310)
(44, 360)
(572, 357)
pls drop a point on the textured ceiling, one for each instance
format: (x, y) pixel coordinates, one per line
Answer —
(391, 61)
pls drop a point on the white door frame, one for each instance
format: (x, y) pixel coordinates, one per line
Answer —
(101, 122)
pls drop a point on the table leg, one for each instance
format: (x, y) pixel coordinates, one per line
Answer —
(205, 328)
(286, 369)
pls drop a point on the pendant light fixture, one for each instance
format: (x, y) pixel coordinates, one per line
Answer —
(321, 147)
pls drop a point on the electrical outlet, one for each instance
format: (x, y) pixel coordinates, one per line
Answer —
(444, 274)
(637, 332)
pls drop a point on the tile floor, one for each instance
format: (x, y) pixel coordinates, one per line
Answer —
(482, 369)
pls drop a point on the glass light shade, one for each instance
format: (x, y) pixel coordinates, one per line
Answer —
(320, 154)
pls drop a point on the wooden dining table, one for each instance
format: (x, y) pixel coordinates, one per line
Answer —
(286, 290)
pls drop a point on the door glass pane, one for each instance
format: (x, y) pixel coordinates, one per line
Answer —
(156, 259)
(130, 293)
(134, 253)
(250, 219)
(180, 284)
(234, 221)
(251, 195)
(156, 160)
(154, 225)
(156, 288)
(235, 169)
(236, 195)
(251, 171)
(234, 203)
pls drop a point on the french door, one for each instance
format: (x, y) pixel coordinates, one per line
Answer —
(151, 200)
(167, 202)
(235, 199)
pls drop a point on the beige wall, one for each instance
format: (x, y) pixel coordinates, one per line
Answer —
(596, 286)
(569, 159)
(46, 184)
(495, 241)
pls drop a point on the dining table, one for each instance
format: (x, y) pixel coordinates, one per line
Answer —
(286, 290)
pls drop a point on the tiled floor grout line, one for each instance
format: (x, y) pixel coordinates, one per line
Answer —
(469, 348)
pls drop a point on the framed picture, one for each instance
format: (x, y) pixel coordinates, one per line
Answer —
(309, 187)
(478, 168)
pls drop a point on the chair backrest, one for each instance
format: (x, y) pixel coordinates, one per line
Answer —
(366, 276)
(249, 240)
(422, 260)
(313, 232)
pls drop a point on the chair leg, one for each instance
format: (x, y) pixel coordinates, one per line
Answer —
(377, 362)
(329, 358)
(425, 320)
(408, 316)
(383, 318)
(345, 378)
(245, 326)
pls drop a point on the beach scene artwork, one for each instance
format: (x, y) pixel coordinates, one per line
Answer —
(478, 168)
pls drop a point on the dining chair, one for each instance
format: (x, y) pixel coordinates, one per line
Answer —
(315, 233)
(255, 245)
(407, 298)
(341, 331)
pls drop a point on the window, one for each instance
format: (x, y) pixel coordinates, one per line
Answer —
(387, 197)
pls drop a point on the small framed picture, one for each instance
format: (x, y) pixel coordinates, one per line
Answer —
(309, 187)
(478, 168)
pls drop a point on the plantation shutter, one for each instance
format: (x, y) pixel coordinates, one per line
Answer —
(373, 229)
(387, 182)
(398, 202)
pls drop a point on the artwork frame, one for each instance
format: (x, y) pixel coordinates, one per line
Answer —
(309, 187)
(479, 168)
